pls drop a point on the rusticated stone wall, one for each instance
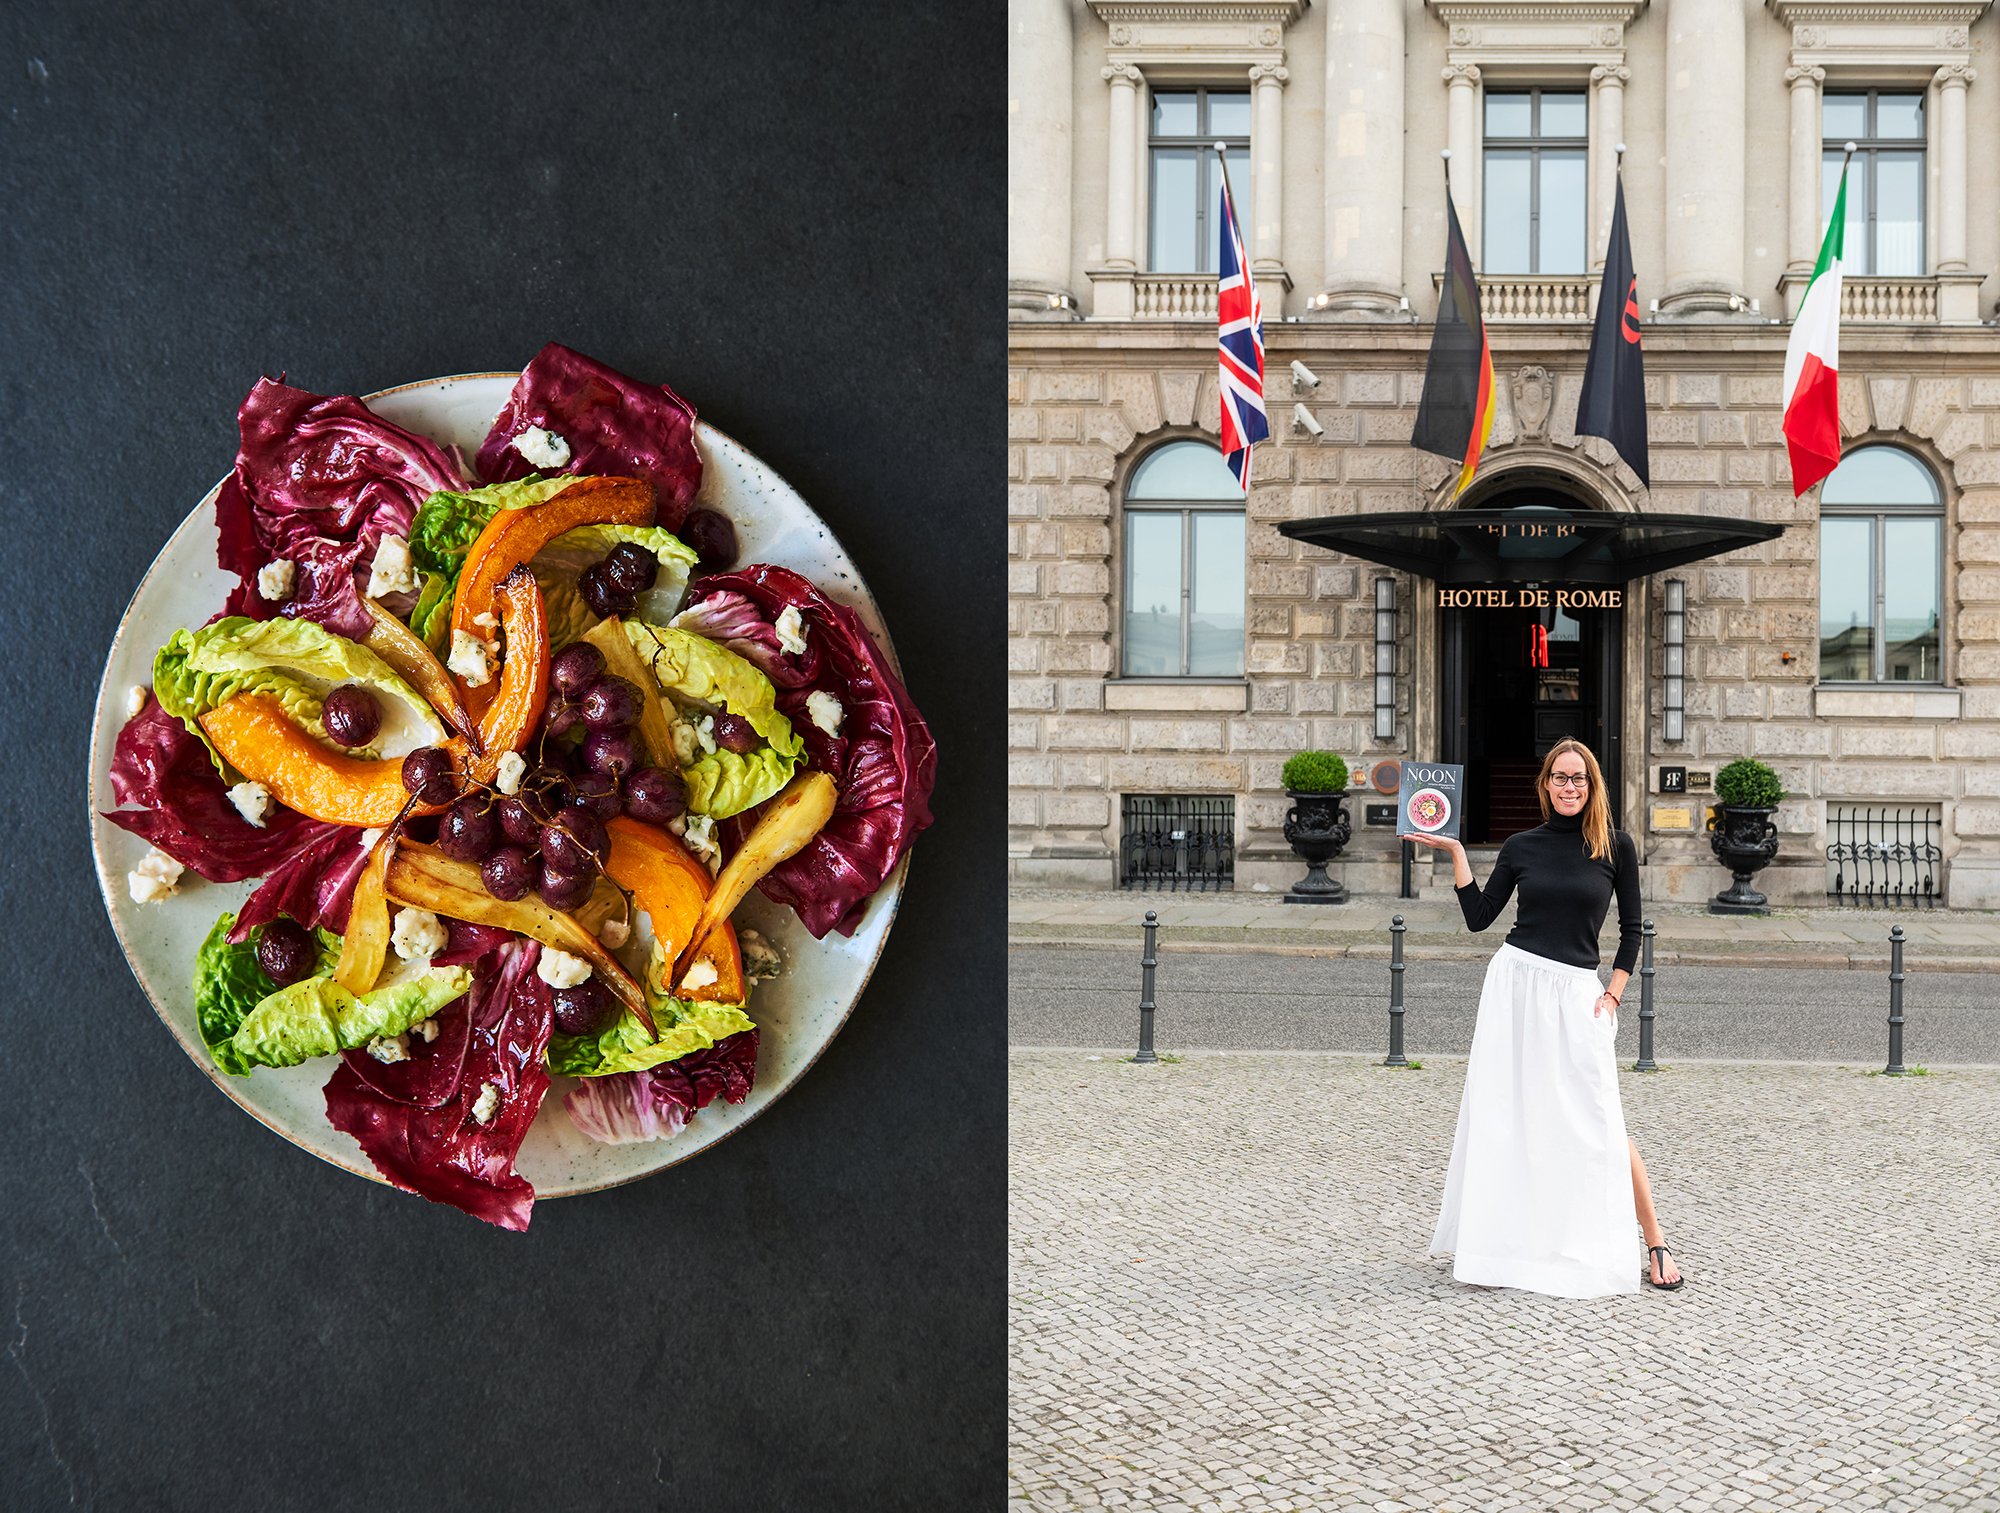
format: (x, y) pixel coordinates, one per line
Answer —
(1084, 405)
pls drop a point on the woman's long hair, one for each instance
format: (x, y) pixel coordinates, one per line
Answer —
(1596, 807)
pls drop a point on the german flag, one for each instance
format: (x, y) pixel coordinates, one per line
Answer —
(1456, 415)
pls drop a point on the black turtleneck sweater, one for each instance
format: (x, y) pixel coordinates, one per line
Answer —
(1565, 894)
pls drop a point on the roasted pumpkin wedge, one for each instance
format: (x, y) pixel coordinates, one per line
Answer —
(524, 673)
(512, 538)
(256, 737)
(666, 881)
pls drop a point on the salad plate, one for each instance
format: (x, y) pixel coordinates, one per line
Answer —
(797, 1013)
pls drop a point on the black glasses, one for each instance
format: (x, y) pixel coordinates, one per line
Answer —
(1564, 780)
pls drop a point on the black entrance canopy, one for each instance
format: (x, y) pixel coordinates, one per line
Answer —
(1532, 545)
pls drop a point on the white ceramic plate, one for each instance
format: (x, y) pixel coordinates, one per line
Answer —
(798, 1013)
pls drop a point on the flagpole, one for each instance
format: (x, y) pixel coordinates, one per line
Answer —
(1222, 156)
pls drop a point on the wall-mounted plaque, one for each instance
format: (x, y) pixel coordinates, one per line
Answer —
(1673, 819)
(1673, 780)
(1379, 814)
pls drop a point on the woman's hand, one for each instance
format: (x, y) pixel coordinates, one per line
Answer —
(1605, 1004)
(1438, 843)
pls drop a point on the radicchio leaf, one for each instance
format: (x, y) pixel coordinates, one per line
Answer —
(734, 621)
(883, 758)
(613, 424)
(441, 1150)
(319, 480)
(184, 809)
(656, 1104)
(315, 886)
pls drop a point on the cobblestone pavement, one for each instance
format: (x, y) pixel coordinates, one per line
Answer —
(1946, 939)
(1221, 1300)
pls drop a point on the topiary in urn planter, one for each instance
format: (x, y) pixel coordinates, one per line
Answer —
(1741, 833)
(1316, 825)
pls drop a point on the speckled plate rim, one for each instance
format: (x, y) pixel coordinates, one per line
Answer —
(892, 886)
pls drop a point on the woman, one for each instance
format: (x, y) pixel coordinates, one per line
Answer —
(1544, 1183)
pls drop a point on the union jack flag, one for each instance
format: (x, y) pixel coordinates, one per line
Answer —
(1240, 332)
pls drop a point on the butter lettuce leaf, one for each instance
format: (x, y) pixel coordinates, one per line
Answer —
(559, 564)
(695, 672)
(229, 983)
(625, 1046)
(296, 662)
(317, 1016)
(449, 521)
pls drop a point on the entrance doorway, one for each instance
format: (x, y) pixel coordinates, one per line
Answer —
(1516, 680)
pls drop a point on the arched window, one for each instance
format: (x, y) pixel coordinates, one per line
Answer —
(1881, 570)
(1183, 603)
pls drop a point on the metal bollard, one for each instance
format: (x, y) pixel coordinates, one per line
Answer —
(1895, 1067)
(1396, 1056)
(1408, 889)
(1645, 1063)
(1146, 965)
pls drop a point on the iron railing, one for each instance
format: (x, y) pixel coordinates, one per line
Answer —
(1176, 842)
(1883, 857)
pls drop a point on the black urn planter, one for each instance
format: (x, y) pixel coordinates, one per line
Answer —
(1745, 841)
(1317, 828)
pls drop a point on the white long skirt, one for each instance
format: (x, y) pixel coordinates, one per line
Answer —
(1539, 1195)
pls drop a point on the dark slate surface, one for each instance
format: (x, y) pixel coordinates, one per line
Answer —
(792, 213)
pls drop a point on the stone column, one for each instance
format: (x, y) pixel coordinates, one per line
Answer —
(1363, 161)
(1951, 81)
(1802, 233)
(1111, 287)
(1040, 92)
(1704, 169)
(1607, 130)
(1267, 162)
(1803, 241)
(1958, 286)
(1462, 136)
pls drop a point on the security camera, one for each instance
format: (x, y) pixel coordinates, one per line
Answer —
(1301, 374)
(1302, 419)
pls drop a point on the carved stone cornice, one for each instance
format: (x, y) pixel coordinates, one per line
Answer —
(1112, 12)
(1902, 35)
(1536, 33)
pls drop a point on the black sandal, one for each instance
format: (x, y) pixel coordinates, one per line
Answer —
(1660, 1250)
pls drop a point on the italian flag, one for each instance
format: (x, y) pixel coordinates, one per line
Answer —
(1812, 363)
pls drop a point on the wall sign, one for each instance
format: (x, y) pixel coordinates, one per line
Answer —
(1531, 598)
(1700, 782)
(1673, 819)
(1673, 780)
(1380, 814)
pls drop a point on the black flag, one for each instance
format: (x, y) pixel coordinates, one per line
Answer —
(1613, 404)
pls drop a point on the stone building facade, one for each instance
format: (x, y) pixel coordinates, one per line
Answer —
(1723, 108)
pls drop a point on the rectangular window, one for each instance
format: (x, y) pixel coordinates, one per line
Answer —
(1183, 593)
(1885, 183)
(1177, 842)
(1535, 190)
(1880, 598)
(1184, 179)
(1885, 855)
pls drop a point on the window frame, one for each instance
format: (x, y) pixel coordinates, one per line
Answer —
(1866, 148)
(1208, 182)
(1879, 514)
(1187, 510)
(1534, 145)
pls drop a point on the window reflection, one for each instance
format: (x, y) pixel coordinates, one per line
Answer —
(1881, 570)
(1183, 612)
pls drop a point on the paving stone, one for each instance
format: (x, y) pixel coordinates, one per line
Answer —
(1220, 1298)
